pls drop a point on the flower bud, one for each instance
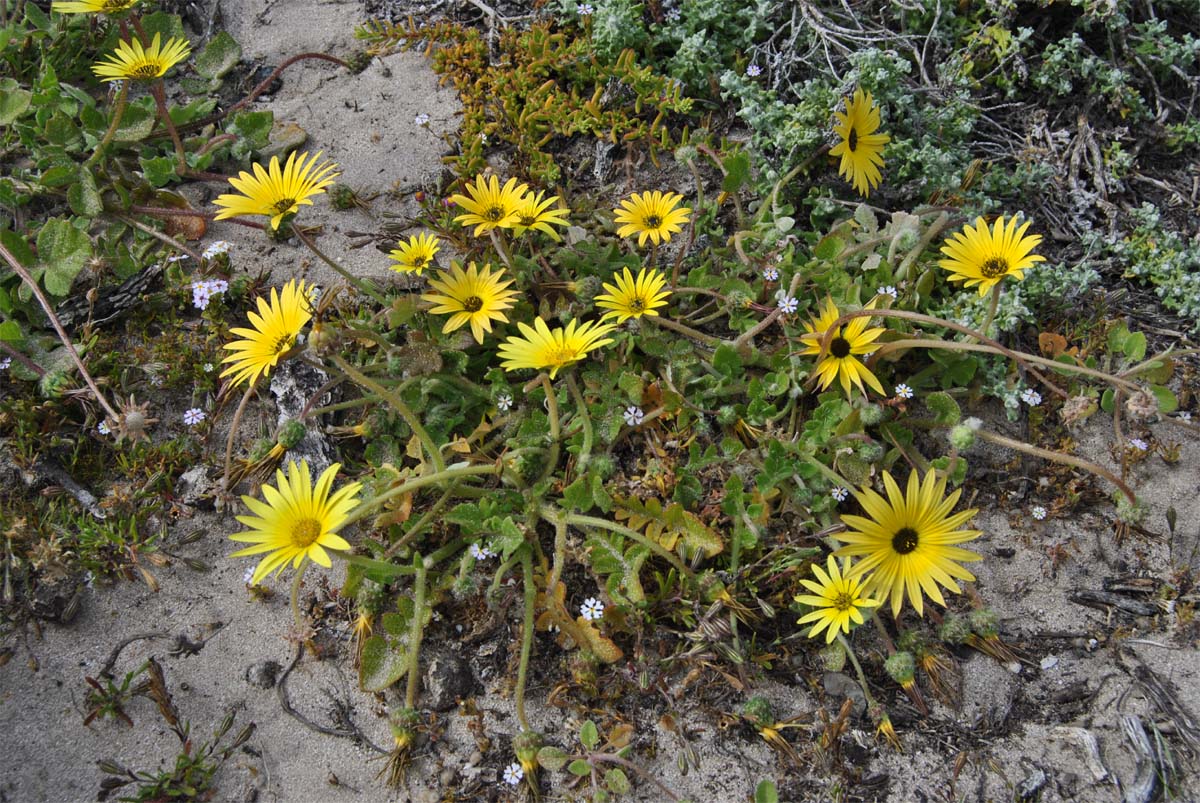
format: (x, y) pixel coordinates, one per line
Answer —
(955, 629)
(870, 414)
(291, 433)
(985, 622)
(758, 710)
(901, 667)
(833, 657)
(962, 437)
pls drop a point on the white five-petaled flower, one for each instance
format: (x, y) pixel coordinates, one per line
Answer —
(673, 15)
(481, 552)
(5, 364)
(421, 119)
(754, 71)
(788, 304)
(504, 402)
(103, 428)
(839, 494)
(513, 774)
(1038, 512)
(591, 609)
(1139, 444)
(585, 9)
(207, 367)
(1185, 416)
(1031, 397)
(217, 248)
(634, 416)
(771, 274)
(888, 290)
(193, 416)
(903, 391)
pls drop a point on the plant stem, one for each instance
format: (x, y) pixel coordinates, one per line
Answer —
(604, 524)
(117, 113)
(297, 581)
(683, 329)
(862, 678)
(19, 269)
(359, 284)
(455, 472)
(555, 425)
(501, 249)
(158, 235)
(526, 634)
(415, 633)
(1059, 457)
(585, 451)
(991, 310)
(233, 428)
(160, 102)
(435, 455)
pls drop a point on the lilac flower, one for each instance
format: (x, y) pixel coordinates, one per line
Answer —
(633, 416)
(193, 416)
(1038, 512)
(1031, 397)
(839, 494)
(754, 71)
(592, 609)
(771, 274)
(788, 304)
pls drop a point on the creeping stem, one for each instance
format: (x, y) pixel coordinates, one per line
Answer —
(415, 633)
(526, 634)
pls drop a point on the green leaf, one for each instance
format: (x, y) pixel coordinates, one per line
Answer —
(83, 195)
(579, 767)
(382, 664)
(727, 361)
(552, 758)
(766, 792)
(1135, 347)
(253, 127)
(1106, 400)
(600, 494)
(1167, 403)
(159, 171)
(589, 736)
(622, 566)
(221, 56)
(167, 25)
(14, 101)
(578, 495)
(737, 171)
(669, 525)
(63, 249)
(10, 332)
(137, 122)
(784, 224)
(616, 781)
(945, 409)
(828, 248)
(19, 248)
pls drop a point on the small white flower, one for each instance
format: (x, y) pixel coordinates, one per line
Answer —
(585, 9)
(1183, 415)
(1038, 512)
(102, 428)
(207, 368)
(481, 552)
(248, 576)
(1031, 397)
(216, 249)
(513, 774)
(155, 380)
(200, 295)
(754, 71)
(177, 258)
(89, 579)
(839, 494)
(633, 415)
(6, 363)
(421, 119)
(1139, 444)
(673, 15)
(888, 290)
(903, 391)
(788, 304)
(592, 609)
(504, 402)
(217, 286)
(193, 416)
(314, 294)
(771, 274)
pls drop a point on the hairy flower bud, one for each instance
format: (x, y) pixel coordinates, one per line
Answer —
(985, 622)
(758, 710)
(291, 433)
(955, 629)
(962, 437)
(901, 667)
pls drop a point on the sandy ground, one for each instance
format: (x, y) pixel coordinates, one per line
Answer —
(366, 124)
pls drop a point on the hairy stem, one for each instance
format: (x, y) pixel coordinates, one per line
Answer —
(526, 635)
(356, 282)
(117, 113)
(233, 428)
(1059, 457)
(415, 633)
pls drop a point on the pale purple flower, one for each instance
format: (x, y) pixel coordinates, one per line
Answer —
(771, 274)
(788, 304)
(585, 9)
(193, 416)
(103, 428)
(504, 402)
(481, 552)
(5, 363)
(421, 119)
(673, 15)
(839, 494)
(1038, 512)
(1139, 444)
(513, 774)
(633, 415)
(754, 71)
(888, 290)
(1031, 397)
(216, 249)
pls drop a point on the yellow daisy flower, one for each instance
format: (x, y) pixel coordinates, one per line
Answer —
(543, 347)
(841, 360)
(414, 255)
(476, 297)
(837, 597)
(860, 147)
(92, 6)
(633, 298)
(907, 544)
(276, 327)
(274, 192)
(133, 62)
(298, 522)
(651, 214)
(534, 213)
(490, 206)
(979, 256)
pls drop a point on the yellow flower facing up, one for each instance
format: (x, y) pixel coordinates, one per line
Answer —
(276, 192)
(92, 6)
(413, 256)
(543, 347)
(633, 298)
(490, 206)
(656, 215)
(847, 344)
(837, 598)
(860, 148)
(276, 326)
(297, 522)
(535, 214)
(133, 62)
(475, 296)
(907, 546)
(981, 256)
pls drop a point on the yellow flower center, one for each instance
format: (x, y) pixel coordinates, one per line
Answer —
(852, 139)
(305, 532)
(652, 221)
(843, 601)
(839, 347)
(494, 213)
(283, 205)
(283, 344)
(561, 356)
(637, 305)
(905, 541)
(115, 5)
(996, 266)
(144, 70)
(472, 304)
(419, 260)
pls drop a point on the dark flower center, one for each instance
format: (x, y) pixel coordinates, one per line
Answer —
(852, 139)
(652, 221)
(839, 347)
(283, 344)
(528, 220)
(116, 5)
(472, 304)
(637, 305)
(996, 266)
(145, 70)
(843, 601)
(420, 260)
(283, 205)
(905, 541)
(305, 532)
(494, 213)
